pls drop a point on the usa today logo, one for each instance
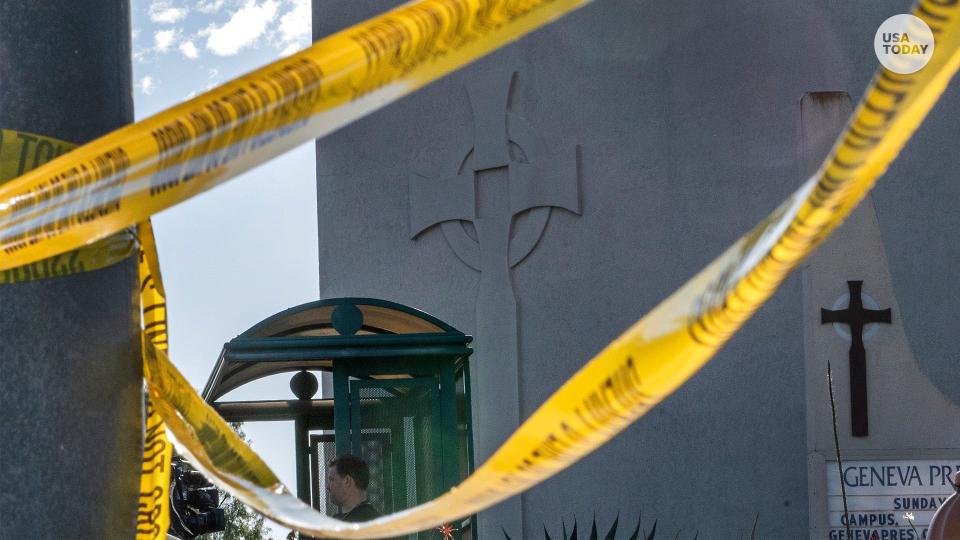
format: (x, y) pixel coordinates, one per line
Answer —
(904, 44)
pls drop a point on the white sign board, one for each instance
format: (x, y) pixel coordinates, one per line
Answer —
(882, 494)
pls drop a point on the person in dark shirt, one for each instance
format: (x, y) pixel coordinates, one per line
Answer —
(347, 480)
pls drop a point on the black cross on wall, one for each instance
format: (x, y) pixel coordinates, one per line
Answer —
(856, 317)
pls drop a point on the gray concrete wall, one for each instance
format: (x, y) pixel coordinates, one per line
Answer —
(684, 122)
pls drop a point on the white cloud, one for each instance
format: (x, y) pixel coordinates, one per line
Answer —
(135, 33)
(140, 55)
(293, 32)
(161, 11)
(188, 49)
(146, 85)
(209, 6)
(213, 79)
(244, 28)
(163, 39)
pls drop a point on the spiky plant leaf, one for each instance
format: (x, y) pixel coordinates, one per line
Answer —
(636, 532)
(653, 531)
(507, 536)
(677, 536)
(696, 535)
(753, 533)
(612, 534)
(594, 530)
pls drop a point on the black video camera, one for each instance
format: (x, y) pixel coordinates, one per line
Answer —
(194, 503)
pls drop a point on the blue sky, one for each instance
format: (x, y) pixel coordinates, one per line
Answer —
(183, 47)
(246, 249)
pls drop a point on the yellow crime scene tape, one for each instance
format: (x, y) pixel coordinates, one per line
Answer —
(127, 175)
(21, 152)
(153, 507)
(640, 368)
(153, 510)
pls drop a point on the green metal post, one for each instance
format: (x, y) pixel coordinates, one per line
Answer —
(448, 421)
(356, 441)
(471, 463)
(341, 407)
(302, 442)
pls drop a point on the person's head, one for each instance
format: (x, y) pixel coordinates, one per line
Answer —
(347, 480)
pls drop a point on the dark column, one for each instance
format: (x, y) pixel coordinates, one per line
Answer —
(302, 440)
(304, 385)
(70, 373)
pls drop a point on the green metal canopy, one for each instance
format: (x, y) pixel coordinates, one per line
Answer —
(401, 396)
(310, 336)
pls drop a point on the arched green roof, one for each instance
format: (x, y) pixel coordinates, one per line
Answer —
(379, 317)
(311, 335)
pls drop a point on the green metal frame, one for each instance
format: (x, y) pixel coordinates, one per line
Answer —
(442, 376)
(387, 358)
(439, 375)
(437, 454)
(316, 468)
